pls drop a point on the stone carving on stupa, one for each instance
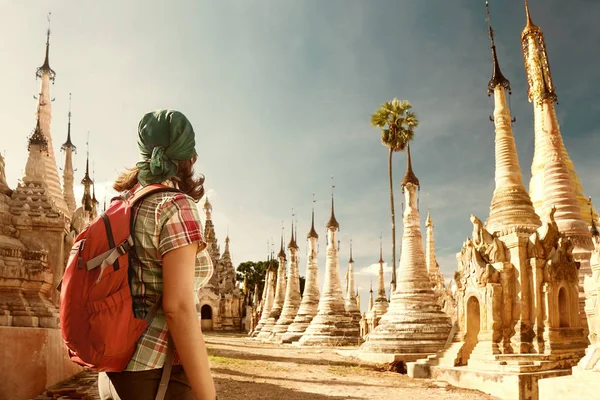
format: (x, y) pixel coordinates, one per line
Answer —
(516, 287)
(310, 297)
(584, 383)
(332, 326)
(279, 297)
(292, 300)
(351, 303)
(549, 148)
(414, 324)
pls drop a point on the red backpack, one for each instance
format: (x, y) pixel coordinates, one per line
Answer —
(96, 311)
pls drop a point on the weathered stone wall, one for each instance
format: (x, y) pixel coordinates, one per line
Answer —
(32, 359)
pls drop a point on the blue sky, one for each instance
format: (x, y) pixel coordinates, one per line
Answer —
(280, 93)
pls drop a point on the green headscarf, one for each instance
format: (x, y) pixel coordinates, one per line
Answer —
(164, 137)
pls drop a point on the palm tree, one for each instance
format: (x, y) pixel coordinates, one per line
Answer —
(397, 125)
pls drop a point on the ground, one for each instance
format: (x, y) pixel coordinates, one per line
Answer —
(245, 368)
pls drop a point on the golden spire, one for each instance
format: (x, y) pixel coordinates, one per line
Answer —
(530, 25)
(539, 80)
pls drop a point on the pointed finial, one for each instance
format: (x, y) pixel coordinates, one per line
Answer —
(380, 249)
(371, 290)
(410, 176)
(46, 66)
(281, 253)
(530, 26)
(497, 78)
(428, 221)
(86, 179)
(350, 260)
(94, 182)
(69, 144)
(332, 223)
(529, 21)
(292, 244)
(313, 232)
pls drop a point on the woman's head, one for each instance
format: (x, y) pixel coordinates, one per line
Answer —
(166, 143)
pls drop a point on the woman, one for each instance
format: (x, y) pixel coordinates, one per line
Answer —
(171, 261)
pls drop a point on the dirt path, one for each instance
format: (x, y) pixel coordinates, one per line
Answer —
(245, 369)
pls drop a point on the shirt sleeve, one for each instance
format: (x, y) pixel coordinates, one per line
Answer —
(179, 224)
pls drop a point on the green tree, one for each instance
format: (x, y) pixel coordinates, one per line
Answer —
(254, 272)
(397, 124)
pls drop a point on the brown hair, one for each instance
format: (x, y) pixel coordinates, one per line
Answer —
(184, 179)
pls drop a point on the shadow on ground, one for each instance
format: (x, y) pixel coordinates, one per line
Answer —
(232, 389)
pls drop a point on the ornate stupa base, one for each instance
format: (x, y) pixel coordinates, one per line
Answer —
(281, 327)
(414, 326)
(336, 329)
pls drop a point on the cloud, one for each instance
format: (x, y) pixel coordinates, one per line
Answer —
(373, 270)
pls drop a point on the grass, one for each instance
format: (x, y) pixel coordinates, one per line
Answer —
(344, 370)
(218, 360)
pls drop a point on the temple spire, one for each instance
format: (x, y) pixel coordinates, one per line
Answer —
(332, 223)
(68, 172)
(87, 201)
(511, 205)
(313, 232)
(410, 176)
(350, 260)
(281, 253)
(498, 78)
(46, 66)
(69, 144)
(292, 244)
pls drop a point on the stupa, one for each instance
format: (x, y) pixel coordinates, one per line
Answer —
(351, 304)
(293, 298)
(517, 288)
(414, 325)
(279, 298)
(573, 220)
(310, 298)
(332, 326)
(268, 297)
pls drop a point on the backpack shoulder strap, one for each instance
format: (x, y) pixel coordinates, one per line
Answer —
(146, 191)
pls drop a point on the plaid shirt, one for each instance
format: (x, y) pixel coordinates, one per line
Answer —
(163, 222)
